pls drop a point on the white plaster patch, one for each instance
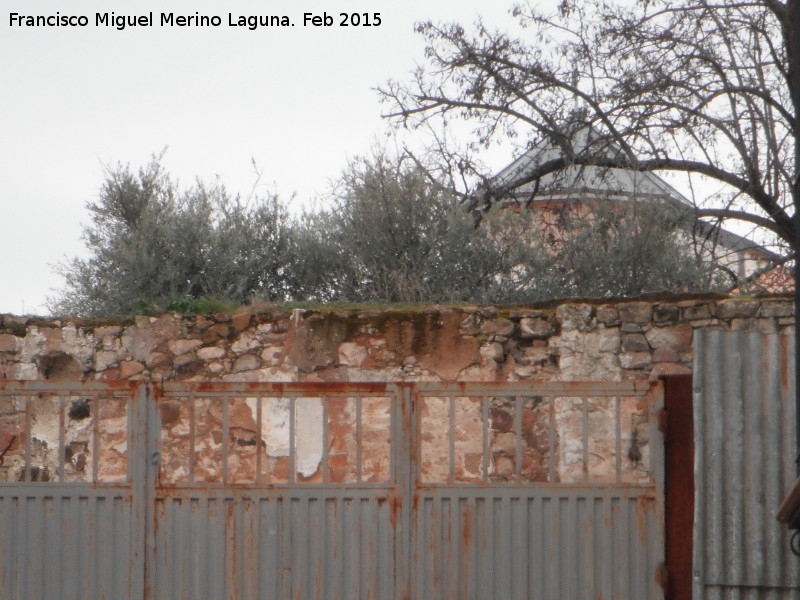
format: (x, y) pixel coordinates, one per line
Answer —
(308, 435)
(275, 426)
(308, 430)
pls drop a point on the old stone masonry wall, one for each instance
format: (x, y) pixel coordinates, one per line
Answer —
(573, 341)
(560, 440)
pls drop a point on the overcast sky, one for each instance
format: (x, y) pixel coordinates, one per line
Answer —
(297, 100)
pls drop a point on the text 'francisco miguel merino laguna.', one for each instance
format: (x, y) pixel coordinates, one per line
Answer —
(251, 22)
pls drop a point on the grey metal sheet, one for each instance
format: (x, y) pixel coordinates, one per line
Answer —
(328, 545)
(744, 464)
(63, 538)
(521, 544)
(64, 546)
(233, 538)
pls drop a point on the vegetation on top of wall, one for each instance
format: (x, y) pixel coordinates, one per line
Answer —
(388, 235)
(188, 306)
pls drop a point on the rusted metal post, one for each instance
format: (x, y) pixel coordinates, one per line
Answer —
(148, 396)
(793, 39)
(404, 457)
(678, 428)
(137, 474)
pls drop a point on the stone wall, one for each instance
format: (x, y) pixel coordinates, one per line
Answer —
(572, 341)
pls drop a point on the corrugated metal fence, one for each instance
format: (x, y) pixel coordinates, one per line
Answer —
(744, 462)
(340, 491)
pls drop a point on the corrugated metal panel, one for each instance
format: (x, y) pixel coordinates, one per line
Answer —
(318, 544)
(744, 462)
(414, 491)
(523, 544)
(458, 529)
(65, 532)
(66, 545)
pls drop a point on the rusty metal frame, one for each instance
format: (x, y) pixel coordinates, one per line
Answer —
(552, 391)
(91, 391)
(293, 391)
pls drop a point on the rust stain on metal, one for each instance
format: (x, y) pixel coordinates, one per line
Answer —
(274, 388)
(231, 550)
(466, 529)
(159, 513)
(643, 511)
(395, 508)
(238, 492)
(786, 367)
(662, 576)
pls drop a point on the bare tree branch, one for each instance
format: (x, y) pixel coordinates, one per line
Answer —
(697, 87)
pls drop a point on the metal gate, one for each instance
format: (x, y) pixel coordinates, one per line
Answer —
(74, 477)
(307, 491)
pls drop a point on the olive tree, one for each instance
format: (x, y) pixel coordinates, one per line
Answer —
(148, 241)
(391, 233)
(388, 234)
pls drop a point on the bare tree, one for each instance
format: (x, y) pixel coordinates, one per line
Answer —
(698, 87)
(705, 87)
